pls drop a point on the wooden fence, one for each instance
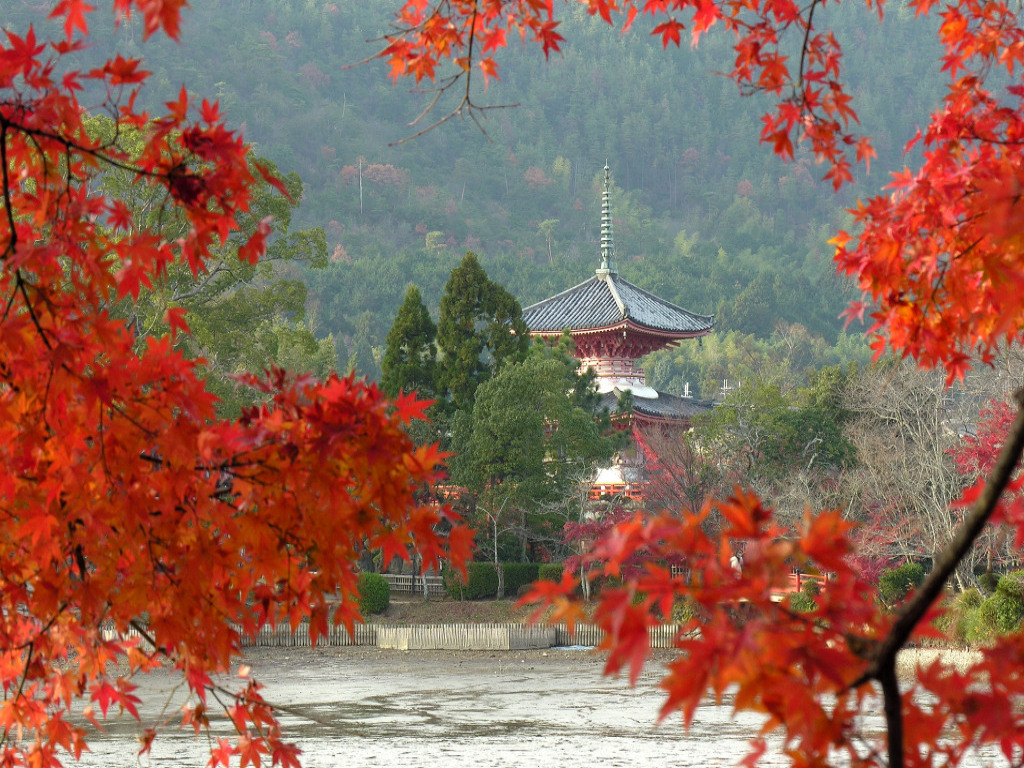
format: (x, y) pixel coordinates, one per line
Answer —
(465, 637)
(456, 636)
(482, 637)
(413, 585)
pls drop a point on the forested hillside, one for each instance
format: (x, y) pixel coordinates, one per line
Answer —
(703, 217)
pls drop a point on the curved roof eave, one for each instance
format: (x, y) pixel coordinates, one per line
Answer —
(627, 323)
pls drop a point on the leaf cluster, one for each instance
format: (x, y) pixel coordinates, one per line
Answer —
(129, 506)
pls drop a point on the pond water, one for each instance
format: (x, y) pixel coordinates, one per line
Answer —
(365, 707)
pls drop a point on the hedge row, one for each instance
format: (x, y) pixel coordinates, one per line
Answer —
(551, 571)
(482, 581)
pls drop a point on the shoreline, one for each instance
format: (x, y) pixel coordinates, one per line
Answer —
(907, 663)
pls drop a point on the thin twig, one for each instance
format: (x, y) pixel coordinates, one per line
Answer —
(5, 180)
(21, 687)
(807, 36)
(288, 710)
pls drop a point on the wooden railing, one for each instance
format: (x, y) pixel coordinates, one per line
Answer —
(795, 583)
(634, 491)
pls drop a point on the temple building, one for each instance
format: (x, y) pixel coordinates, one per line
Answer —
(614, 323)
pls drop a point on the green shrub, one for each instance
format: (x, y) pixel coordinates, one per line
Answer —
(683, 609)
(961, 621)
(519, 574)
(1012, 585)
(524, 590)
(894, 584)
(1002, 612)
(971, 599)
(976, 631)
(481, 584)
(454, 586)
(374, 593)
(483, 581)
(550, 571)
(978, 620)
(801, 602)
(988, 581)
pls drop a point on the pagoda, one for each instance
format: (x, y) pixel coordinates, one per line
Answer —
(613, 323)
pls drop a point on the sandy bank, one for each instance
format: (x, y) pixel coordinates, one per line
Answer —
(910, 660)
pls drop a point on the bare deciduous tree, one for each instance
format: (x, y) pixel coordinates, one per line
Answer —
(906, 425)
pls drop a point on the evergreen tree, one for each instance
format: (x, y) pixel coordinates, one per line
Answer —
(410, 356)
(480, 328)
(362, 361)
(536, 428)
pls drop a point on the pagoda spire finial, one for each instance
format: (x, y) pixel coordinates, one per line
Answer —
(607, 246)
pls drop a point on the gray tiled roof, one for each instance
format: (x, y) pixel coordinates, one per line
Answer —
(664, 406)
(606, 299)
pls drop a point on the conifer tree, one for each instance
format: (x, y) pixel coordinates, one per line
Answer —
(480, 327)
(362, 361)
(535, 429)
(410, 356)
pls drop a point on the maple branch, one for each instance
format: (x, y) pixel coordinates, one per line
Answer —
(100, 152)
(144, 634)
(471, 108)
(103, 443)
(465, 102)
(295, 711)
(438, 92)
(893, 708)
(10, 303)
(162, 720)
(938, 282)
(884, 657)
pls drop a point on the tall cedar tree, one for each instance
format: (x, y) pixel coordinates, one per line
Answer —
(361, 360)
(127, 505)
(938, 258)
(410, 359)
(480, 328)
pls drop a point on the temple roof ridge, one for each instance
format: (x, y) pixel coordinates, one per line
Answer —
(608, 300)
(608, 278)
